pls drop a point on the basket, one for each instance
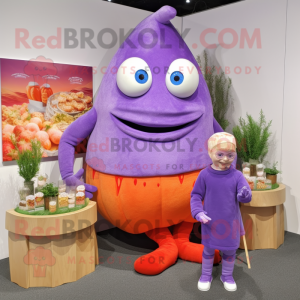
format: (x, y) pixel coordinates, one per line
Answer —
(50, 111)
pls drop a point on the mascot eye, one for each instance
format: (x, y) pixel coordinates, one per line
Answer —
(141, 76)
(177, 78)
(182, 78)
(134, 77)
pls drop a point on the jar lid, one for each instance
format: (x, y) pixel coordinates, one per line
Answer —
(80, 194)
(260, 166)
(52, 203)
(81, 188)
(63, 194)
(39, 194)
(30, 197)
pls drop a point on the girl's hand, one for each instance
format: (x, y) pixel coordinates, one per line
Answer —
(202, 217)
(244, 192)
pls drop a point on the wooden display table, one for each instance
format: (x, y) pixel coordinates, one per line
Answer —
(263, 219)
(51, 250)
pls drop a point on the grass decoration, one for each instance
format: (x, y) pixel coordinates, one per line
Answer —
(218, 85)
(273, 170)
(274, 186)
(29, 160)
(58, 211)
(252, 138)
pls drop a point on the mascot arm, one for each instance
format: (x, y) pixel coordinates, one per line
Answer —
(74, 134)
(217, 127)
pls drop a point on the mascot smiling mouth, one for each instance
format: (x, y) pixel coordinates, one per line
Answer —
(154, 129)
(161, 132)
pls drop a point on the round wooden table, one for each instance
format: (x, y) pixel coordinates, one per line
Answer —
(263, 219)
(47, 251)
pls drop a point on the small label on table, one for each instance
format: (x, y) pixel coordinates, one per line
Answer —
(39, 208)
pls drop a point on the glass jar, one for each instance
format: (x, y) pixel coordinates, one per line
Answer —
(30, 185)
(23, 193)
(268, 183)
(246, 169)
(81, 189)
(72, 195)
(63, 200)
(260, 170)
(80, 198)
(251, 181)
(62, 186)
(42, 180)
(261, 183)
(39, 201)
(30, 202)
(52, 204)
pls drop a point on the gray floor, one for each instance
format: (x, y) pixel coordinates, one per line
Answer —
(275, 274)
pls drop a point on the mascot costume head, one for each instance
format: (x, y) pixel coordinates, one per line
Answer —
(148, 132)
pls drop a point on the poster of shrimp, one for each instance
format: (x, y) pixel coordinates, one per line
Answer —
(39, 100)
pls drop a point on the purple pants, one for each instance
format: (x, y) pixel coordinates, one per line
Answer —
(227, 265)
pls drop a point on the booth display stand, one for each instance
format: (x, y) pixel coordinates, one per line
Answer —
(263, 219)
(47, 251)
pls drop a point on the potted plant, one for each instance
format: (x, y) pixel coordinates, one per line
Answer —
(219, 89)
(29, 163)
(271, 173)
(252, 140)
(50, 194)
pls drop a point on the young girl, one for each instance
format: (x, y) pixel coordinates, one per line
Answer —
(221, 187)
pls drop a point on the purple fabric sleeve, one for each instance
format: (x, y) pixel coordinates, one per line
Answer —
(242, 184)
(197, 196)
(73, 135)
(217, 127)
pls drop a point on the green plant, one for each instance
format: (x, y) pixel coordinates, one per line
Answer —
(49, 190)
(218, 85)
(252, 137)
(29, 160)
(273, 170)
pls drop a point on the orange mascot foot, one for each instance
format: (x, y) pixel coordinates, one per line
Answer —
(187, 250)
(161, 258)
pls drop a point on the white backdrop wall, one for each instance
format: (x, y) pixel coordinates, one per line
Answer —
(291, 121)
(43, 18)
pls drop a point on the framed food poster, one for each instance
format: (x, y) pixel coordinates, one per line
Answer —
(39, 100)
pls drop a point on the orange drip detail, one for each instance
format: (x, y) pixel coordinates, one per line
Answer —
(180, 177)
(144, 183)
(135, 181)
(94, 172)
(194, 183)
(118, 183)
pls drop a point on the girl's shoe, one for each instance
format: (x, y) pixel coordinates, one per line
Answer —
(229, 285)
(204, 286)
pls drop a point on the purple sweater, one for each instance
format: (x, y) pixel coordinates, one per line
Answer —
(220, 190)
